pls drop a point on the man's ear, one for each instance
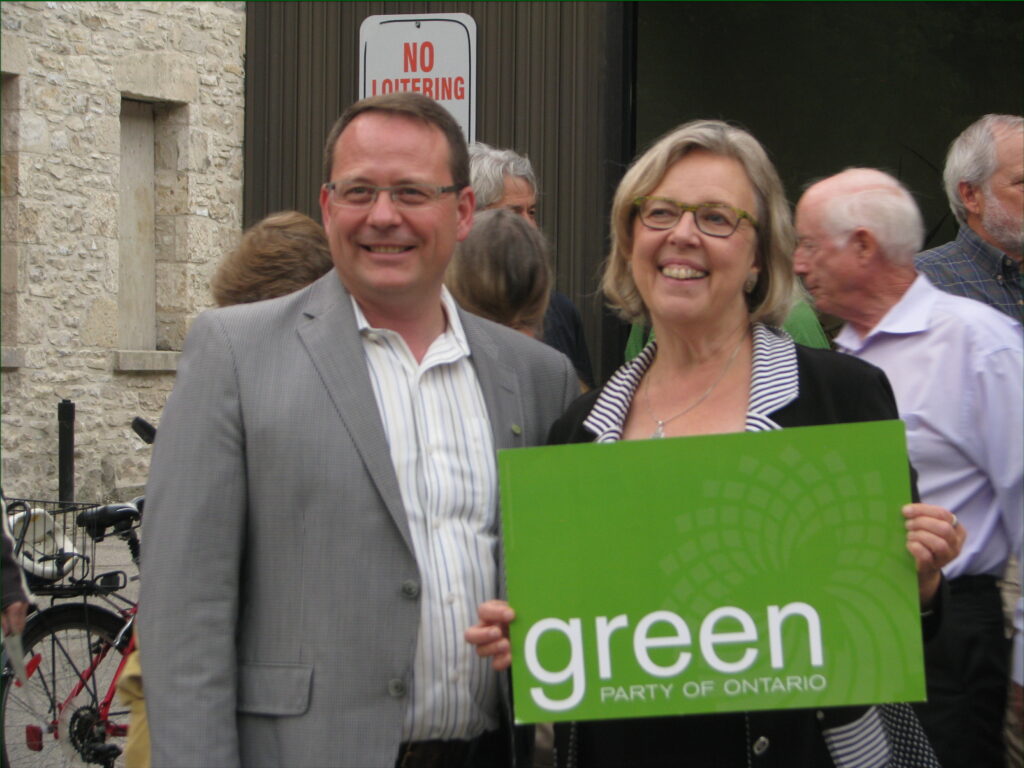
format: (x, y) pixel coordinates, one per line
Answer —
(464, 209)
(865, 244)
(325, 216)
(970, 195)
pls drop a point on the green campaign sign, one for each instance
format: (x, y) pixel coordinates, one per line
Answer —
(711, 574)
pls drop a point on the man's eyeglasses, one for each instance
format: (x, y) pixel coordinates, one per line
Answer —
(358, 195)
(714, 219)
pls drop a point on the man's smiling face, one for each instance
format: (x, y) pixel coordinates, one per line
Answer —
(388, 255)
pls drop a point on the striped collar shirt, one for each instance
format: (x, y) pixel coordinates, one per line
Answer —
(773, 384)
(439, 434)
(968, 266)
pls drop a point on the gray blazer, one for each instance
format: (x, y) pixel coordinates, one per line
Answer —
(279, 606)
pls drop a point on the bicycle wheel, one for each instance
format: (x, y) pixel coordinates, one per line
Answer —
(55, 719)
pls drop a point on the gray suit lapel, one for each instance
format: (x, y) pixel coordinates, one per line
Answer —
(328, 333)
(499, 384)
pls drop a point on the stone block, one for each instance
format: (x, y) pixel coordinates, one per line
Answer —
(11, 357)
(198, 152)
(171, 287)
(164, 231)
(48, 97)
(171, 192)
(9, 174)
(10, 128)
(87, 69)
(157, 76)
(35, 222)
(33, 132)
(13, 54)
(205, 239)
(9, 317)
(143, 360)
(100, 326)
(171, 332)
(9, 254)
(166, 149)
(105, 134)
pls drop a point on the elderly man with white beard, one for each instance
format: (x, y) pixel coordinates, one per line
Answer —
(984, 181)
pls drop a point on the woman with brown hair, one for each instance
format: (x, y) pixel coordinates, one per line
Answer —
(502, 271)
(280, 254)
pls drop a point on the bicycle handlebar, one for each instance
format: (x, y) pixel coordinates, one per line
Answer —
(144, 430)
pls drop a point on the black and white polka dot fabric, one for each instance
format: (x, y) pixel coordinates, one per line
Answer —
(910, 745)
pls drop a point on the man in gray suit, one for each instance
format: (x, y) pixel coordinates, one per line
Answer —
(321, 516)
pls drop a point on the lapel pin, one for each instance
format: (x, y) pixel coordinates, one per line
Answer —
(516, 429)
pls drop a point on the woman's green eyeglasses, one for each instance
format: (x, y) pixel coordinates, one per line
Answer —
(714, 219)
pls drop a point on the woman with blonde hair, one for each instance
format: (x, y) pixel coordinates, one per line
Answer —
(701, 249)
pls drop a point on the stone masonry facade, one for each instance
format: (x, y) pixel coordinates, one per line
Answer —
(68, 324)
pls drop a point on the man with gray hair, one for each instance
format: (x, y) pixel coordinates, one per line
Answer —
(984, 181)
(502, 178)
(957, 369)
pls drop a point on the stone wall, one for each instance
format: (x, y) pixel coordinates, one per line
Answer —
(66, 69)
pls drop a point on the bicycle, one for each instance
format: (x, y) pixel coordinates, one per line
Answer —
(75, 652)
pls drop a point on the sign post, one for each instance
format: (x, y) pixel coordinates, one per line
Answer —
(429, 53)
(711, 574)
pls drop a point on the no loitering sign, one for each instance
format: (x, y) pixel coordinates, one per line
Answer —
(429, 53)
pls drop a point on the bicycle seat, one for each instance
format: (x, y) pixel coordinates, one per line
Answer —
(96, 520)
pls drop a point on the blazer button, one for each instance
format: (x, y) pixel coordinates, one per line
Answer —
(410, 589)
(761, 746)
(396, 688)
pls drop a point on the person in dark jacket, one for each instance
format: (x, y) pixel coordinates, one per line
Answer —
(502, 178)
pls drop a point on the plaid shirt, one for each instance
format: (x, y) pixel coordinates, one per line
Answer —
(968, 266)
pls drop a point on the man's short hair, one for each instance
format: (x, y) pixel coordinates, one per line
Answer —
(502, 271)
(972, 157)
(277, 255)
(488, 168)
(881, 205)
(777, 286)
(415, 106)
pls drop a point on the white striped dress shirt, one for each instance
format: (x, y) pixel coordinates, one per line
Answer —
(439, 433)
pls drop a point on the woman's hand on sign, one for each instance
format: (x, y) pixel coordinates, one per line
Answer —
(490, 636)
(934, 538)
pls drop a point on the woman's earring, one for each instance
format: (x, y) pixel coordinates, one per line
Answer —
(750, 283)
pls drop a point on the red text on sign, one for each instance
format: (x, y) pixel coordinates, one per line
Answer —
(437, 88)
(425, 57)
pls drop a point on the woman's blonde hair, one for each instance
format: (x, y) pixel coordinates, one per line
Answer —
(777, 286)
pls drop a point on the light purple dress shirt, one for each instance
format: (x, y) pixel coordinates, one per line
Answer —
(957, 369)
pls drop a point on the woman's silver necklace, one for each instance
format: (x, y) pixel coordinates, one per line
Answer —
(660, 429)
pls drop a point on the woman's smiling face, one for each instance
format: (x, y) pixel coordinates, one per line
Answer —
(685, 277)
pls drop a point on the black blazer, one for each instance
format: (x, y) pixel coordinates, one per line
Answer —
(833, 389)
